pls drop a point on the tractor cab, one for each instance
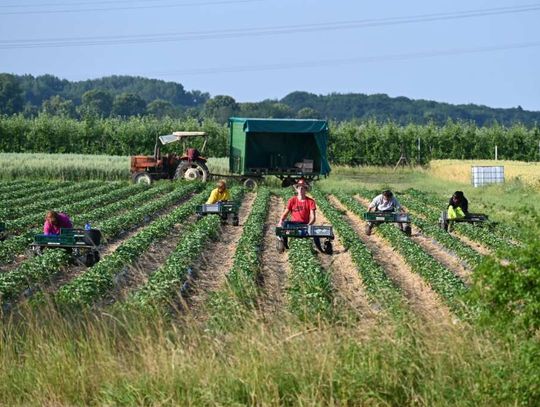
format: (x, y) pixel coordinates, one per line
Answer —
(191, 165)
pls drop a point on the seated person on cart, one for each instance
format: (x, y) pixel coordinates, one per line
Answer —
(54, 221)
(385, 202)
(458, 206)
(301, 207)
(219, 194)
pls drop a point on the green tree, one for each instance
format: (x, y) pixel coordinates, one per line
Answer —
(58, 106)
(160, 108)
(128, 104)
(220, 108)
(308, 113)
(11, 100)
(97, 102)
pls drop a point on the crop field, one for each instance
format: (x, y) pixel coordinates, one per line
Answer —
(157, 260)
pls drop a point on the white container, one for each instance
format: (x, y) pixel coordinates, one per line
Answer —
(485, 175)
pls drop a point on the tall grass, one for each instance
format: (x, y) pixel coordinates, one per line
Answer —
(460, 170)
(67, 167)
(107, 359)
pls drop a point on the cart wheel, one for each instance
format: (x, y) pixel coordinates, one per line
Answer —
(280, 246)
(407, 230)
(328, 249)
(89, 259)
(199, 217)
(443, 225)
(235, 221)
(369, 228)
(96, 256)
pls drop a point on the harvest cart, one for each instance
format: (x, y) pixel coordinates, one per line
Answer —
(477, 219)
(303, 231)
(81, 244)
(403, 220)
(227, 210)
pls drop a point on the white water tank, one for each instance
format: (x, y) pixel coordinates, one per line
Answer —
(484, 175)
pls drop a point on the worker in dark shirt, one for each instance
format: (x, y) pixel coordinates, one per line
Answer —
(458, 206)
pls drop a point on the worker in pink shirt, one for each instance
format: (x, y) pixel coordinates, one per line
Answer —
(54, 221)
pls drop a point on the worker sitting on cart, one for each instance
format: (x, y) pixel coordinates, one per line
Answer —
(219, 194)
(458, 206)
(54, 221)
(301, 207)
(385, 202)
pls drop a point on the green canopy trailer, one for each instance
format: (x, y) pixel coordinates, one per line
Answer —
(286, 148)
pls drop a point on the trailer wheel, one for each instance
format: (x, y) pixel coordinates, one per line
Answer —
(250, 183)
(142, 178)
(195, 170)
(235, 221)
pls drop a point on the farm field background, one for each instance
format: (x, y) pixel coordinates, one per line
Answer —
(179, 312)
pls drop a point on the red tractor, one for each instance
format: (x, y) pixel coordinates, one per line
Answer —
(190, 166)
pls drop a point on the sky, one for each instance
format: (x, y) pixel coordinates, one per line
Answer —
(464, 51)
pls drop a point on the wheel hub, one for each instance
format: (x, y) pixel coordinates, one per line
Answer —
(192, 174)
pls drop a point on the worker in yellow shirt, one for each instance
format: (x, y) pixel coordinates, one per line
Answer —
(221, 193)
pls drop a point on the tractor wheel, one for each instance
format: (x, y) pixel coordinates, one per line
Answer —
(235, 221)
(192, 171)
(407, 230)
(250, 183)
(142, 178)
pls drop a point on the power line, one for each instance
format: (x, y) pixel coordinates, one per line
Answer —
(76, 3)
(153, 6)
(347, 61)
(258, 31)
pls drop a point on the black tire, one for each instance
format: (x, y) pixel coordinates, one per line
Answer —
(369, 229)
(250, 183)
(328, 248)
(89, 259)
(96, 256)
(280, 246)
(407, 230)
(195, 170)
(235, 221)
(143, 178)
(287, 182)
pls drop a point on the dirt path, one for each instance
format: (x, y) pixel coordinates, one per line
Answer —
(344, 274)
(211, 269)
(443, 256)
(480, 248)
(275, 270)
(422, 299)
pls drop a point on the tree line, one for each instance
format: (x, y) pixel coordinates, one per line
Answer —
(351, 142)
(127, 96)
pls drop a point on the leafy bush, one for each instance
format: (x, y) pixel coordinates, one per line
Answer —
(507, 293)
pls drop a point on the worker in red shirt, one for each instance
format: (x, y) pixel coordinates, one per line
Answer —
(301, 207)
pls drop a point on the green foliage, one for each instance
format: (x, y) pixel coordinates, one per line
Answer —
(220, 108)
(247, 259)
(128, 104)
(506, 288)
(11, 100)
(96, 102)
